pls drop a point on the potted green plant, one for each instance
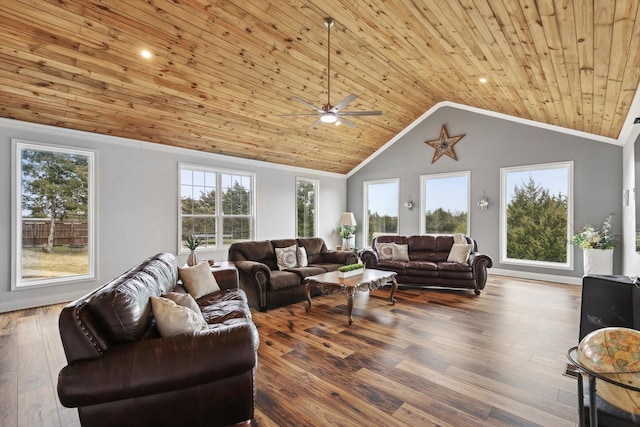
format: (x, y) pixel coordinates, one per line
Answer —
(350, 270)
(597, 244)
(192, 243)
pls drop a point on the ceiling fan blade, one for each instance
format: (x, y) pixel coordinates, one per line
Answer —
(298, 114)
(343, 121)
(302, 101)
(316, 123)
(361, 113)
(343, 103)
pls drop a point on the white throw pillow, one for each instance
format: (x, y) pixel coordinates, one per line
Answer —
(302, 257)
(287, 257)
(400, 252)
(198, 280)
(459, 253)
(385, 251)
(185, 300)
(173, 319)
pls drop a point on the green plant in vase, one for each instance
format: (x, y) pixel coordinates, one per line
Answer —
(192, 243)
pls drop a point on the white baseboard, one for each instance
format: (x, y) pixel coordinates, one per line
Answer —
(569, 280)
(39, 301)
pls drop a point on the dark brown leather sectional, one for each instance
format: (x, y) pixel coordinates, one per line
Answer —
(121, 372)
(427, 265)
(268, 287)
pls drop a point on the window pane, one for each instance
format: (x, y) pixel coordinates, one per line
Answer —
(236, 197)
(306, 207)
(202, 227)
(382, 208)
(236, 230)
(536, 216)
(55, 213)
(446, 203)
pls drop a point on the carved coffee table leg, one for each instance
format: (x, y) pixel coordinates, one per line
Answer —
(351, 295)
(307, 292)
(394, 288)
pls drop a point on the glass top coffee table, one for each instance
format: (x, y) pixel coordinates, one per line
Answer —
(369, 280)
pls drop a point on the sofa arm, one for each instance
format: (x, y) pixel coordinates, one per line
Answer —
(339, 257)
(479, 263)
(369, 258)
(158, 365)
(227, 278)
(253, 277)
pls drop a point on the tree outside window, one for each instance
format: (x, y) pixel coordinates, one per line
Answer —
(306, 207)
(381, 202)
(536, 215)
(446, 203)
(54, 227)
(202, 191)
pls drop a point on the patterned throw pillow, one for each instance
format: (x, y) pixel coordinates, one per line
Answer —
(400, 252)
(287, 257)
(385, 251)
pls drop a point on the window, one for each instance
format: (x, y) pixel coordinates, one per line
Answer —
(535, 215)
(215, 206)
(381, 208)
(53, 233)
(306, 207)
(445, 203)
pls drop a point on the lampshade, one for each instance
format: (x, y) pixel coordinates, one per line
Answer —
(347, 218)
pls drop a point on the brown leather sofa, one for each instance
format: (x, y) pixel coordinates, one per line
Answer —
(427, 264)
(269, 287)
(121, 372)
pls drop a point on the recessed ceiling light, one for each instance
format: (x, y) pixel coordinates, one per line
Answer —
(145, 53)
(482, 80)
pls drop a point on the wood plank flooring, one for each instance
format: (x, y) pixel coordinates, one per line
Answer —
(436, 358)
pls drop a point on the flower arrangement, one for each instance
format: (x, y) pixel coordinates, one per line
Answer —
(596, 237)
(346, 231)
(193, 242)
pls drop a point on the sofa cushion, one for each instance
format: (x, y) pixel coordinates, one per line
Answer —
(314, 246)
(198, 280)
(310, 270)
(454, 266)
(422, 265)
(399, 252)
(391, 265)
(459, 253)
(173, 319)
(283, 279)
(287, 257)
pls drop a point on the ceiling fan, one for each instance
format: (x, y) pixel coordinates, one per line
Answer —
(332, 113)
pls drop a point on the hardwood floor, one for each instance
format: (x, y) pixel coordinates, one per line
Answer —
(436, 358)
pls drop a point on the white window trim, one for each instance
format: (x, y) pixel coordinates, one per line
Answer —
(423, 200)
(503, 217)
(365, 208)
(316, 187)
(16, 215)
(219, 215)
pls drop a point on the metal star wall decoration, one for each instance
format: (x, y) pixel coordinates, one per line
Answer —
(444, 145)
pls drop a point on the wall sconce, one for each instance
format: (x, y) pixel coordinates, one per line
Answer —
(483, 203)
(408, 205)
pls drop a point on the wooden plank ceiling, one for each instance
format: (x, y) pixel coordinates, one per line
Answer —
(223, 73)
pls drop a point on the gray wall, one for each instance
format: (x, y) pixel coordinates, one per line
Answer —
(489, 144)
(137, 210)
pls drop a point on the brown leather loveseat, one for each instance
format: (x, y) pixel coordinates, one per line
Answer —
(267, 286)
(121, 372)
(430, 260)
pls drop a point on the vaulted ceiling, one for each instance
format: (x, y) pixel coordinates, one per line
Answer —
(223, 73)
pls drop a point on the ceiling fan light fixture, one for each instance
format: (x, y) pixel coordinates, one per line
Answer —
(328, 118)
